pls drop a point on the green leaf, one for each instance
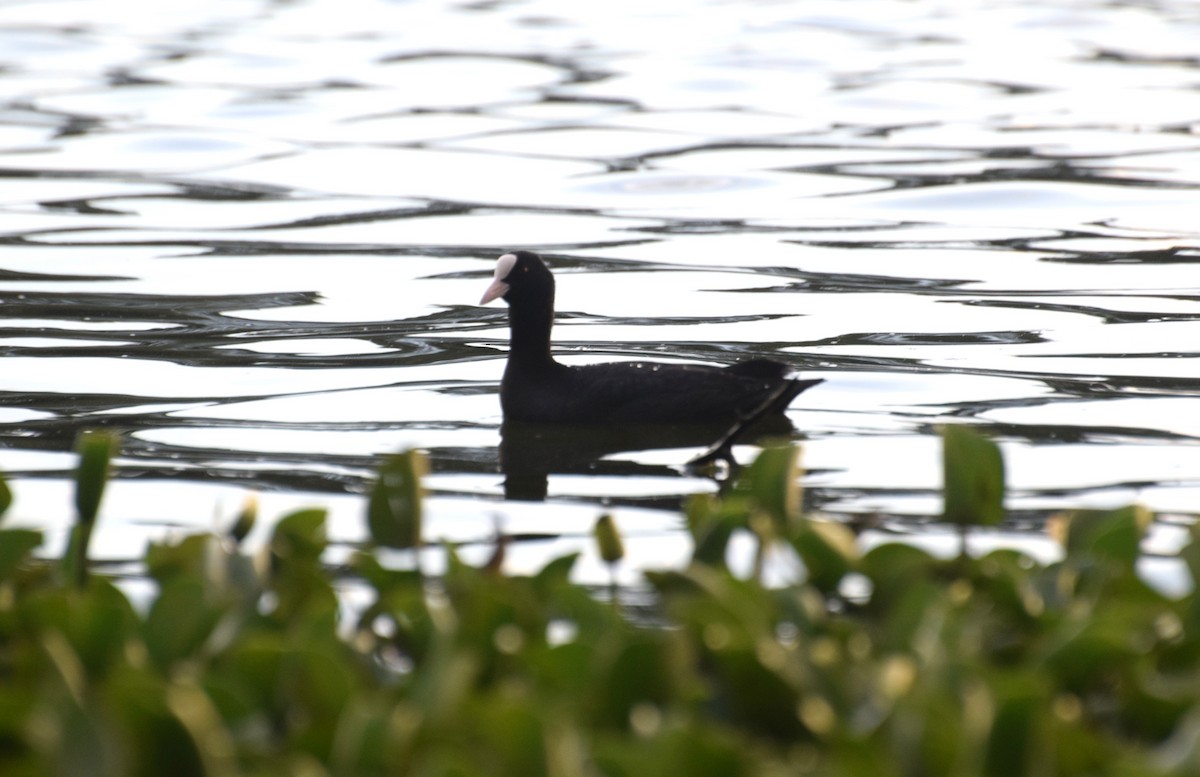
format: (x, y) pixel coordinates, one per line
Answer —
(1015, 743)
(15, 547)
(760, 699)
(773, 481)
(639, 670)
(706, 753)
(96, 449)
(301, 585)
(712, 521)
(361, 744)
(557, 571)
(74, 564)
(1190, 553)
(171, 559)
(98, 622)
(394, 511)
(244, 523)
(299, 537)
(6, 497)
(1112, 535)
(608, 539)
(179, 622)
(212, 746)
(74, 738)
(828, 550)
(973, 471)
(893, 565)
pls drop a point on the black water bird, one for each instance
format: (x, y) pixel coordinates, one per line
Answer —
(536, 388)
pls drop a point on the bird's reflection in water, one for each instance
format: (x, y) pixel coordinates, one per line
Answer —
(530, 453)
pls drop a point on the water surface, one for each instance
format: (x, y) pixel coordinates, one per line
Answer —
(250, 236)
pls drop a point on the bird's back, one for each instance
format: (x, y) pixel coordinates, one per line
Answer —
(647, 392)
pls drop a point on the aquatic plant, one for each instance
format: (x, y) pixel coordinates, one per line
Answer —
(880, 661)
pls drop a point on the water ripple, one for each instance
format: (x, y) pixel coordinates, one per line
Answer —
(250, 237)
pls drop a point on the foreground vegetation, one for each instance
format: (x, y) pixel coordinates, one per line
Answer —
(244, 664)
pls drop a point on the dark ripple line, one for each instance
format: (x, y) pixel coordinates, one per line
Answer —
(1013, 337)
(1104, 314)
(1173, 255)
(101, 306)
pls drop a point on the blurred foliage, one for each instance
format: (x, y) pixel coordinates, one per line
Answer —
(880, 661)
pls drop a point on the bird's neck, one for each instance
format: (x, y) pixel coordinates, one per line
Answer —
(529, 343)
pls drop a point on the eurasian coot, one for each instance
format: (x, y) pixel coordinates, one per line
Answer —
(537, 388)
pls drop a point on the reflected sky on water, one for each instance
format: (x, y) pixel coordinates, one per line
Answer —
(250, 236)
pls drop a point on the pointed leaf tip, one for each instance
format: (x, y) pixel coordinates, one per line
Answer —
(395, 508)
(96, 449)
(608, 539)
(773, 481)
(973, 469)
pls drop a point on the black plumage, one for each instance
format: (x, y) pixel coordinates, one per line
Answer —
(536, 388)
